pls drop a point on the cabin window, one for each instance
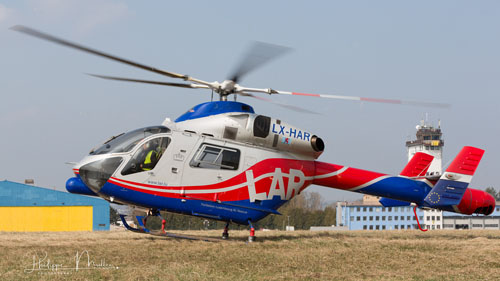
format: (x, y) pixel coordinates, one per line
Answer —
(261, 126)
(147, 156)
(216, 157)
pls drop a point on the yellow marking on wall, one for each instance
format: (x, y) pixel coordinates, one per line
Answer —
(50, 218)
(435, 143)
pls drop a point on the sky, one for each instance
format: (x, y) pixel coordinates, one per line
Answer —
(437, 51)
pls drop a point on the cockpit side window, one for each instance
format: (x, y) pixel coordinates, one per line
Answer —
(147, 156)
(216, 157)
(125, 142)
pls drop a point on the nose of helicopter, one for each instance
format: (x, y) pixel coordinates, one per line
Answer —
(95, 174)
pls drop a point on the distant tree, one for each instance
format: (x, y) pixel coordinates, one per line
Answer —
(297, 202)
(491, 190)
(113, 216)
(314, 201)
(330, 215)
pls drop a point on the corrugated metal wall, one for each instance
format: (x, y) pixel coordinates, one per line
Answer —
(29, 208)
(55, 218)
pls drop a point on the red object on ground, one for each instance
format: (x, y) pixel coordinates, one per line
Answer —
(416, 217)
(163, 222)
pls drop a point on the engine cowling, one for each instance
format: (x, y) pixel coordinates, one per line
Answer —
(254, 129)
(476, 202)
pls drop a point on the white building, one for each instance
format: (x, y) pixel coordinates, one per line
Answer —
(428, 141)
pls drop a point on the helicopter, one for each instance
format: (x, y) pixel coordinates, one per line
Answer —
(221, 160)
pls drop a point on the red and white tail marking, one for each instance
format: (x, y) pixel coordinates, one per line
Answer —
(417, 166)
(464, 165)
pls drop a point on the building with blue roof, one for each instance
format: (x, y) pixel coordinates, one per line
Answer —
(30, 208)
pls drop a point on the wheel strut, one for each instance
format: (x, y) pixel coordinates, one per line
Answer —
(225, 234)
(251, 238)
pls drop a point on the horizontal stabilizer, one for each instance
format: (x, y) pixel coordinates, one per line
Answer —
(387, 202)
(418, 165)
(450, 188)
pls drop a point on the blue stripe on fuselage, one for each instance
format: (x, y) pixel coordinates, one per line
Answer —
(195, 207)
(399, 188)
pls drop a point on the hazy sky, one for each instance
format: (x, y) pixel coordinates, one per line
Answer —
(442, 51)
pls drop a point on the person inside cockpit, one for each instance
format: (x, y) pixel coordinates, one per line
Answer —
(150, 156)
(147, 156)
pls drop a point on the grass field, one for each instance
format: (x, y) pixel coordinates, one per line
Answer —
(277, 255)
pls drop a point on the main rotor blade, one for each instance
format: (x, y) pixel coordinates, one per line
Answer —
(63, 42)
(287, 106)
(379, 100)
(257, 55)
(182, 85)
(362, 99)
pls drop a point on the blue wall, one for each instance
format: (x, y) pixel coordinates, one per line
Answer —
(380, 218)
(17, 194)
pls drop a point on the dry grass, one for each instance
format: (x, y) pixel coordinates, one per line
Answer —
(300, 255)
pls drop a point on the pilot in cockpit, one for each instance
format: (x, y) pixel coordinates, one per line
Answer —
(150, 155)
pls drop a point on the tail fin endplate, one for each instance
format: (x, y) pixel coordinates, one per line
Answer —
(418, 165)
(450, 188)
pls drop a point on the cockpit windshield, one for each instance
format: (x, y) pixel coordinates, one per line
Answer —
(126, 141)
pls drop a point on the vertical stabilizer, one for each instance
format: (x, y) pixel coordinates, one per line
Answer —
(452, 185)
(418, 165)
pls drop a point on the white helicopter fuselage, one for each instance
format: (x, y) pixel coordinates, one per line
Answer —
(234, 166)
(222, 161)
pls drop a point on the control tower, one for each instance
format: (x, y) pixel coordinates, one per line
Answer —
(428, 141)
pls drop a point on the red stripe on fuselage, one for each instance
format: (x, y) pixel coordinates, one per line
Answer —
(349, 179)
(268, 166)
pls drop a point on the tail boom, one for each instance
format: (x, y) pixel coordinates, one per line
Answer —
(368, 182)
(450, 193)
